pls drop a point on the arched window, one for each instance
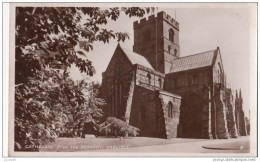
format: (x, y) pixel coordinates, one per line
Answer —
(175, 52)
(169, 49)
(170, 110)
(171, 35)
(221, 74)
(149, 78)
(116, 98)
(160, 82)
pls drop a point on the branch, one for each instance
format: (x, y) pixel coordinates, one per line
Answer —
(17, 85)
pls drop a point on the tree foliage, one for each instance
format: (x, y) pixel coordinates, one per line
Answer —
(45, 98)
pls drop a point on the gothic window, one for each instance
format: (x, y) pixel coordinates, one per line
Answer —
(169, 49)
(171, 35)
(116, 98)
(147, 35)
(149, 78)
(220, 67)
(160, 82)
(175, 52)
(221, 75)
(170, 110)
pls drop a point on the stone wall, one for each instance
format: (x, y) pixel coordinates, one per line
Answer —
(231, 118)
(115, 90)
(195, 112)
(144, 113)
(221, 119)
(240, 117)
(171, 121)
(148, 78)
(142, 104)
(150, 114)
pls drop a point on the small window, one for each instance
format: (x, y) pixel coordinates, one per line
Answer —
(169, 49)
(175, 52)
(171, 35)
(170, 110)
(147, 35)
(160, 82)
(149, 78)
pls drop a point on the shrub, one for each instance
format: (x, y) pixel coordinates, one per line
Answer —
(116, 127)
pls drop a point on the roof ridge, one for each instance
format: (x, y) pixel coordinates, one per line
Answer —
(139, 55)
(196, 54)
(194, 61)
(132, 51)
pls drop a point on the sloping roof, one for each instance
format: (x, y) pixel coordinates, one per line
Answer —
(195, 61)
(136, 58)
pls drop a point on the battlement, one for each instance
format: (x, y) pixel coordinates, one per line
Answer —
(159, 17)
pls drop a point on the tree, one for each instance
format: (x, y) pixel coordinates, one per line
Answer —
(88, 111)
(46, 98)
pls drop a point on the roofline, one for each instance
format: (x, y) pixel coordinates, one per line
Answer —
(214, 59)
(169, 94)
(190, 69)
(150, 70)
(117, 47)
(221, 59)
(195, 54)
(135, 53)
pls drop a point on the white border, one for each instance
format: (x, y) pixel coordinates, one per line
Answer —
(6, 65)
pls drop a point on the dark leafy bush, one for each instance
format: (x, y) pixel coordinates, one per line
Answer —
(116, 127)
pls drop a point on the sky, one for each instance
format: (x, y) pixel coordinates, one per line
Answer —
(203, 27)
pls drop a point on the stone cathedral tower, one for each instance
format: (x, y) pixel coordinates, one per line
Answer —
(157, 39)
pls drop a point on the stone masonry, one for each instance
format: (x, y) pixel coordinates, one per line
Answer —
(165, 95)
(231, 118)
(220, 113)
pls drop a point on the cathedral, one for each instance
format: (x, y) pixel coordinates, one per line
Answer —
(165, 95)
